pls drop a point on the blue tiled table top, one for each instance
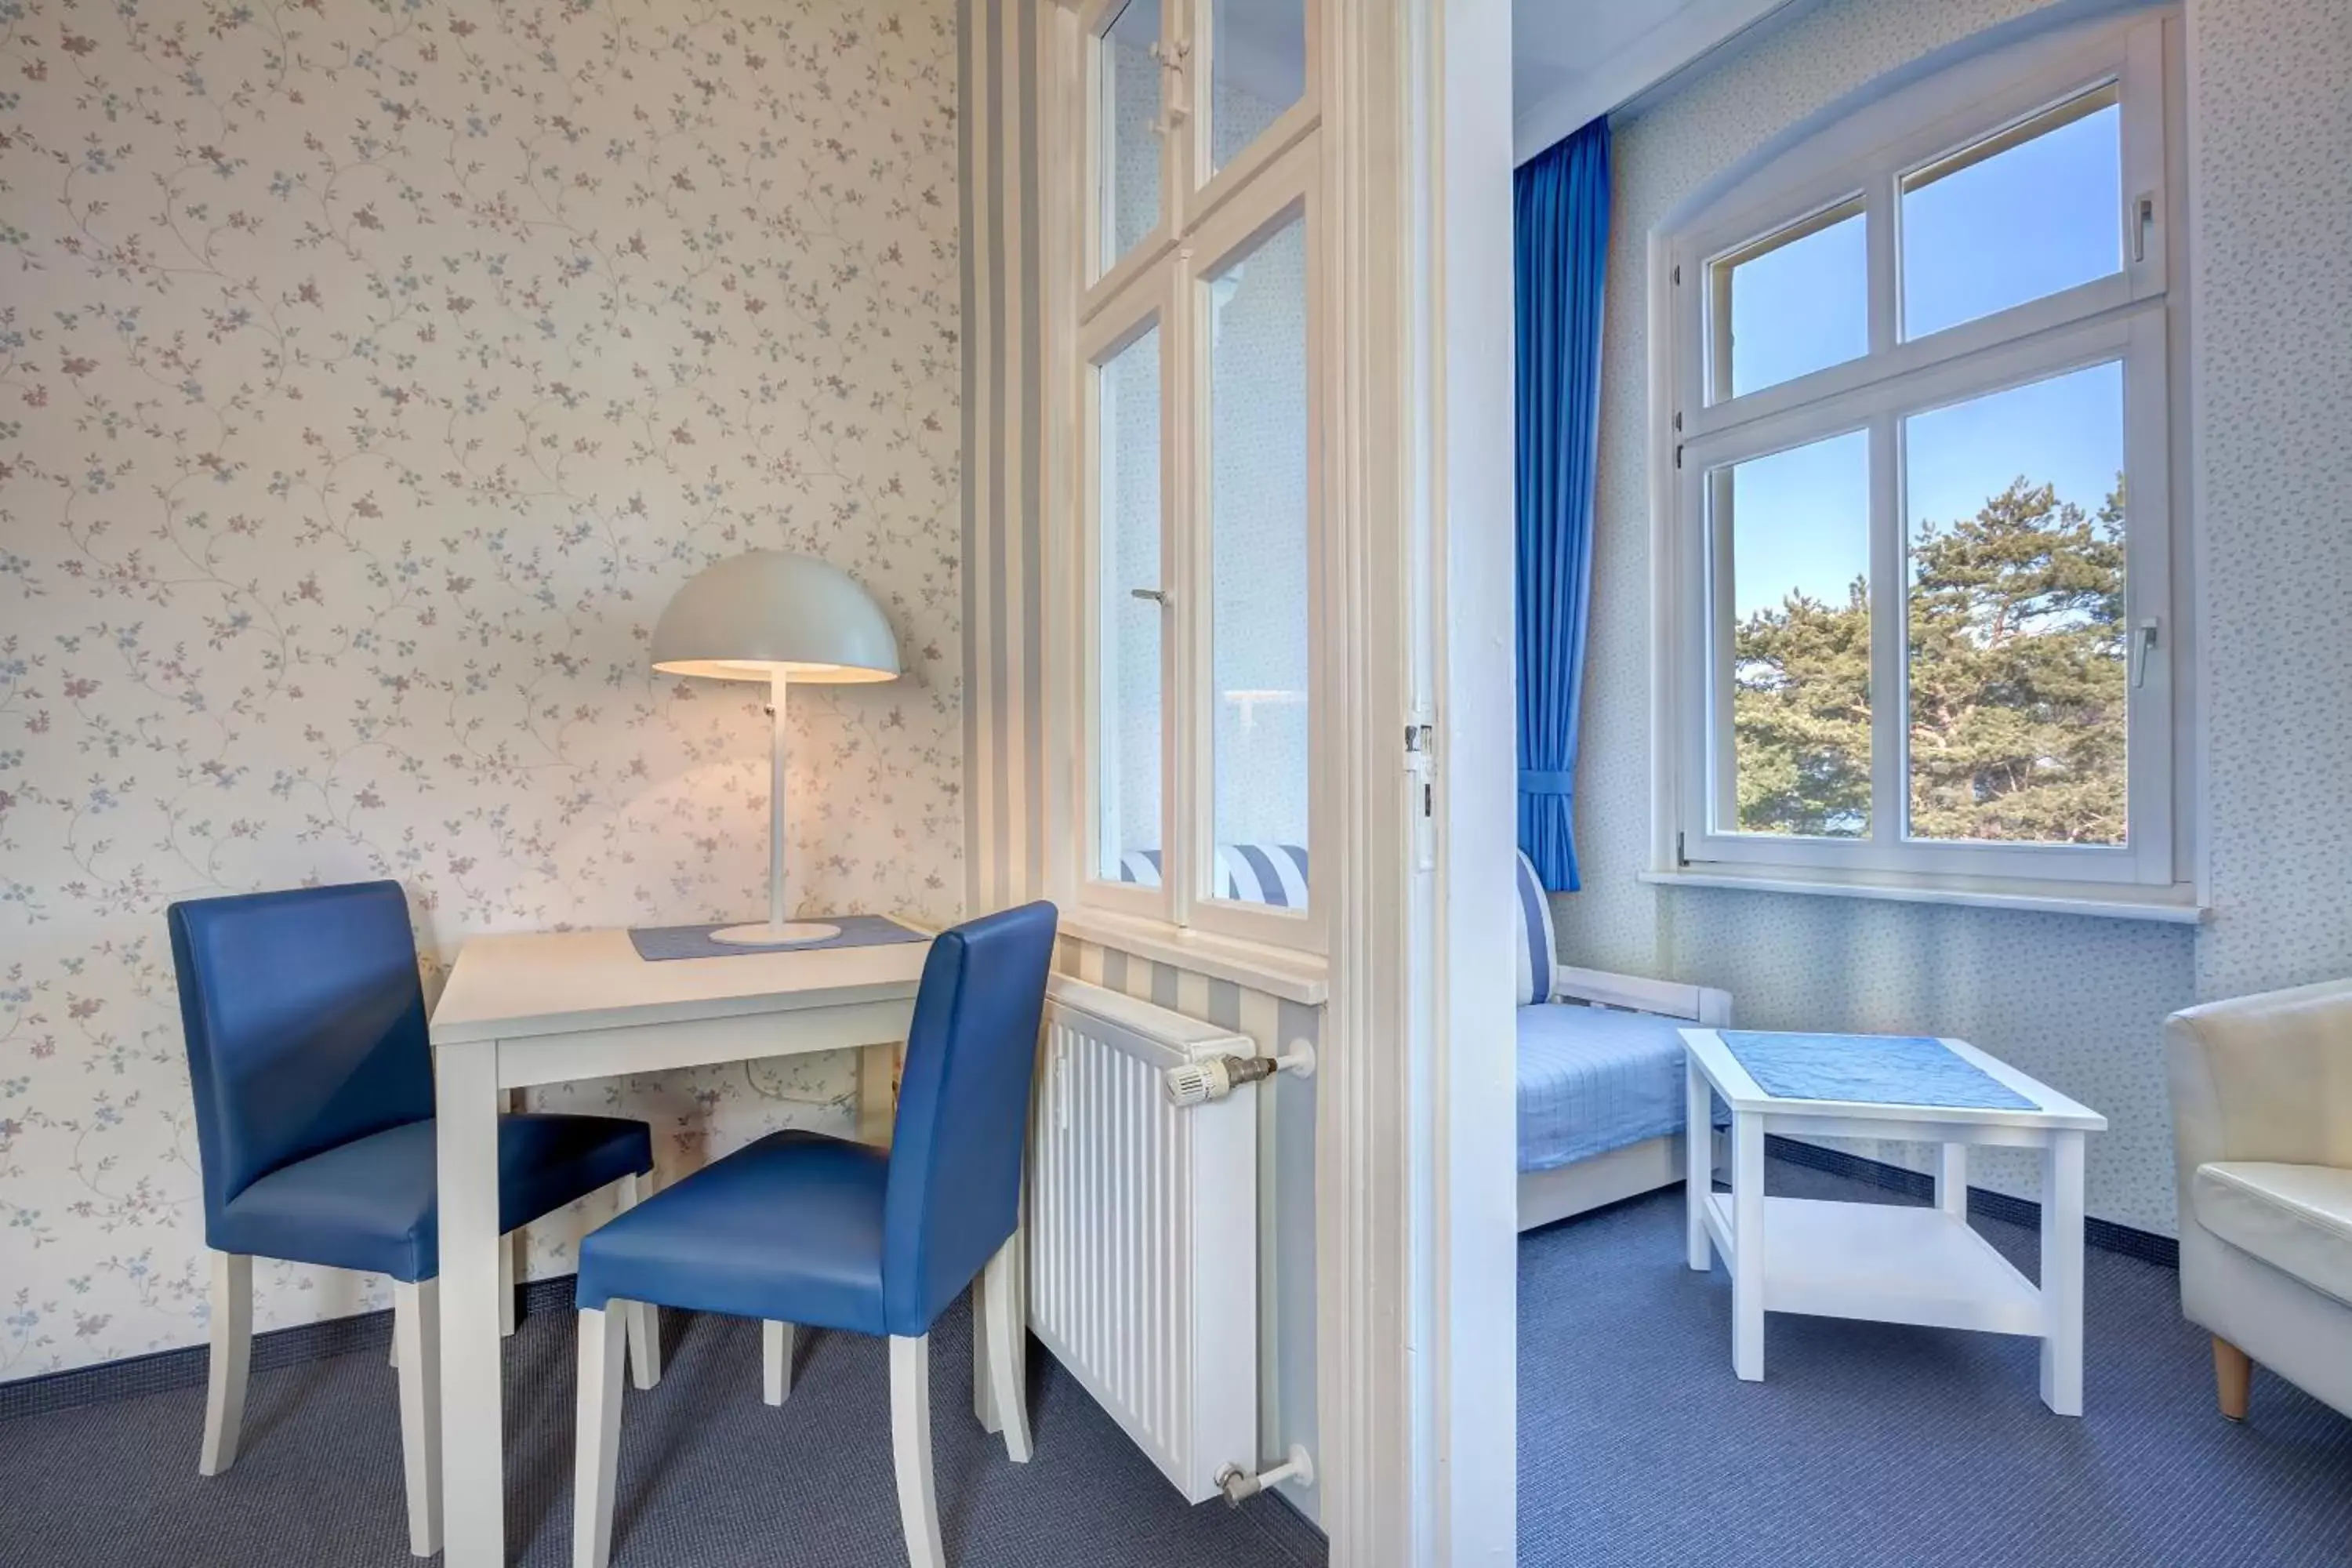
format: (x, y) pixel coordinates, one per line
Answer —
(657, 943)
(1868, 1069)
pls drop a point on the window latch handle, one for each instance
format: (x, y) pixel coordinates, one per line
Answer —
(1157, 595)
(2143, 638)
(2143, 219)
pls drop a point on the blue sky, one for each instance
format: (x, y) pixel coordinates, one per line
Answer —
(2040, 217)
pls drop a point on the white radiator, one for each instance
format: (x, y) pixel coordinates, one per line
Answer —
(1143, 1231)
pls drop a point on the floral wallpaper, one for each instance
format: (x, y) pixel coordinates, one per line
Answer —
(370, 375)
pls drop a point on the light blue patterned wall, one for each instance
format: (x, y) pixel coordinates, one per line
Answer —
(2075, 1001)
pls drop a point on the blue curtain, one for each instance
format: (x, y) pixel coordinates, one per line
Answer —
(1562, 209)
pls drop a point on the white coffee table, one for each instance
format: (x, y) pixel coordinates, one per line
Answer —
(1882, 1262)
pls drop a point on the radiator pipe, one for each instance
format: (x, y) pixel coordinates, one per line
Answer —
(1239, 1485)
(1197, 1083)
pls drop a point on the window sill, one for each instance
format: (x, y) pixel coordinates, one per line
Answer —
(1295, 976)
(2174, 906)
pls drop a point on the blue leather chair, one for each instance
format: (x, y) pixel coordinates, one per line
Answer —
(313, 1080)
(802, 1228)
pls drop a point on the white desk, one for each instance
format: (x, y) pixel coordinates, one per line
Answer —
(523, 1010)
(1888, 1263)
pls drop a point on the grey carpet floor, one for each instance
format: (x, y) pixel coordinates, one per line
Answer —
(710, 1477)
(1879, 1446)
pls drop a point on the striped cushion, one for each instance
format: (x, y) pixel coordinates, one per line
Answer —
(1534, 936)
(1273, 875)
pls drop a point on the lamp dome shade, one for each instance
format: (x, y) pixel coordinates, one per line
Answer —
(767, 611)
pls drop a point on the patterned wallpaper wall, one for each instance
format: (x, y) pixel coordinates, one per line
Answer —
(369, 378)
(2077, 1001)
(2272, 335)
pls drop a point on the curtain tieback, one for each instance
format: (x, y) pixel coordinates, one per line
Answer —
(1538, 781)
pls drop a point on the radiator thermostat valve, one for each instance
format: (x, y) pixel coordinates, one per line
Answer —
(1197, 1083)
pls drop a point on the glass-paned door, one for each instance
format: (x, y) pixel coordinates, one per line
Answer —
(1130, 128)
(1130, 818)
(1254, 307)
(1257, 68)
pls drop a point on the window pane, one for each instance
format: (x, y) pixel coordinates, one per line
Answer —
(1796, 528)
(1128, 154)
(1793, 304)
(2018, 215)
(2014, 504)
(1257, 68)
(1258, 552)
(1128, 836)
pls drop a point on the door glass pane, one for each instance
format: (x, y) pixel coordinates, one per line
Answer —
(1256, 310)
(1127, 837)
(2014, 507)
(1795, 529)
(1791, 304)
(2024, 213)
(1127, 153)
(1257, 68)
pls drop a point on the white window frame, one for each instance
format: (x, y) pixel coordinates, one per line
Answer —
(1204, 223)
(2132, 316)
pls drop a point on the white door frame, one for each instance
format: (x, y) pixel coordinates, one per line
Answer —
(1417, 1255)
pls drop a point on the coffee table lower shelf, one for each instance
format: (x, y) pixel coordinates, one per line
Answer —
(1881, 1262)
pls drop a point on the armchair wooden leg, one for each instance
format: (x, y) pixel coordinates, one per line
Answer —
(232, 1354)
(2233, 1373)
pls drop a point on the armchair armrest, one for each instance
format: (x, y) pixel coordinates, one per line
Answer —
(2263, 1078)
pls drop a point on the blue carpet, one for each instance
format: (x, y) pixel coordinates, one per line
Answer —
(710, 1477)
(1878, 1445)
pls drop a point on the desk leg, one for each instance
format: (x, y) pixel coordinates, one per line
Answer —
(1699, 1162)
(1748, 1246)
(877, 1075)
(2062, 1273)
(472, 1415)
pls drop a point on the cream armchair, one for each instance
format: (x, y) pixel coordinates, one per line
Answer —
(2261, 1120)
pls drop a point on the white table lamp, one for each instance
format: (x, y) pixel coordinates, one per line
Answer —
(778, 617)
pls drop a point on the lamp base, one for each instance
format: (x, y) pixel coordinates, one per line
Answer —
(792, 933)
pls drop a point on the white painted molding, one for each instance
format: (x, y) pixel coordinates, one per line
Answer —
(2163, 906)
(1682, 35)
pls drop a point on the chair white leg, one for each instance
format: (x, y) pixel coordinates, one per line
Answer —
(645, 1317)
(983, 1389)
(599, 1426)
(775, 1361)
(910, 1449)
(1008, 1334)
(416, 1330)
(509, 1246)
(232, 1357)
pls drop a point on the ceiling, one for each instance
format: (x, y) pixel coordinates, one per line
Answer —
(1574, 59)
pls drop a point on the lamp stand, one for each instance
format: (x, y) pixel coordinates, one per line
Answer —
(777, 931)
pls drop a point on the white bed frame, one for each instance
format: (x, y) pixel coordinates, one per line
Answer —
(1572, 1189)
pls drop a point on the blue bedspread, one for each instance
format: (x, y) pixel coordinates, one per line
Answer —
(1592, 1080)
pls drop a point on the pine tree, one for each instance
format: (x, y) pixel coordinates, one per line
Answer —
(2017, 664)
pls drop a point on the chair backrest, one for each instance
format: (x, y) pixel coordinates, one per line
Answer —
(305, 1023)
(963, 1110)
